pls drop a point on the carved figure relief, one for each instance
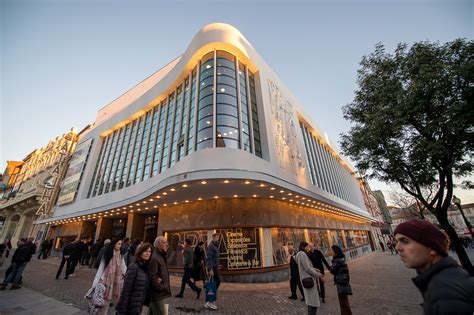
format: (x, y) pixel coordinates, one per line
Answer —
(285, 131)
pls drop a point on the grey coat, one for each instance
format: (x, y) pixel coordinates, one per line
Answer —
(306, 269)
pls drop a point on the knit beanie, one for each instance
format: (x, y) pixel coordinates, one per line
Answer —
(425, 233)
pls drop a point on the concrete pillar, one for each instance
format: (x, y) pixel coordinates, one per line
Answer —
(135, 226)
(266, 247)
(104, 228)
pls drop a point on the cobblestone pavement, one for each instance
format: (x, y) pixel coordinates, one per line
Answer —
(380, 282)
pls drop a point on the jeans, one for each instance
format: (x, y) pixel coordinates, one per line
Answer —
(15, 275)
(187, 280)
(157, 308)
(344, 304)
(68, 268)
(216, 277)
(312, 310)
(294, 282)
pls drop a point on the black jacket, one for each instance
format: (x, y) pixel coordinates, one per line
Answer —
(69, 249)
(317, 259)
(341, 275)
(135, 289)
(24, 253)
(446, 288)
(294, 272)
(81, 247)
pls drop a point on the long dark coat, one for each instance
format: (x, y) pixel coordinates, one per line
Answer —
(135, 289)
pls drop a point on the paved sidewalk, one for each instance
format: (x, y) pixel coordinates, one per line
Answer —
(25, 302)
(380, 282)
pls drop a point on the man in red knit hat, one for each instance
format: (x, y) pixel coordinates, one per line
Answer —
(446, 287)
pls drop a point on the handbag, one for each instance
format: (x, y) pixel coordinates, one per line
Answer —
(307, 283)
(211, 290)
(95, 298)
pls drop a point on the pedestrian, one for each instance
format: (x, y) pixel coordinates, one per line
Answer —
(310, 277)
(43, 249)
(133, 248)
(341, 279)
(389, 246)
(188, 270)
(199, 260)
(445, 286)
(295, 280)
(317, 259)
(68, 250)
(86, 254)
(212, 263)
(94, 252)
(49, 247)
(76, 255)
(394, 245)
(19, 261)
(136, 286)
(111, 273)
(160, 278)
(382, 246)
(126, 250)
(101, 253)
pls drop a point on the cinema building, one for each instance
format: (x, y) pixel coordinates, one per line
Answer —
(214, 142)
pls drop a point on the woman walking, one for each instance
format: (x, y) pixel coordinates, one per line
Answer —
(341, 279)
(309, 278)
(111, 272)
(136, 286)
(199, 259)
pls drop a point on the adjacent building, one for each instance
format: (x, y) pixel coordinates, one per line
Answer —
(30, 188)
(214, 142)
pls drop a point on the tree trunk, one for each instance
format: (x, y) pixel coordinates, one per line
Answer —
(458, 246)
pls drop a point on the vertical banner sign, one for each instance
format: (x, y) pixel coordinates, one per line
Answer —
(73, 176)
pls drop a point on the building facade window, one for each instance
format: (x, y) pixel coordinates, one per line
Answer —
(327, 173)
(214, 106)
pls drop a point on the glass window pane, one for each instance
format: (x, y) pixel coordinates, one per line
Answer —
(228, 143)
(204, 144)
(227, 109)
(227, 121)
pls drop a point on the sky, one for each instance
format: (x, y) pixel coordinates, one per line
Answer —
(63, 60)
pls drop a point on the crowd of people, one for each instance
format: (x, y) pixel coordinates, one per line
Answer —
(131, 275)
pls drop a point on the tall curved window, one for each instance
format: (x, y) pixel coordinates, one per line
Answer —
(227, 112)
(205, 118)
(244, 109)
(215, 105)
(192, 107)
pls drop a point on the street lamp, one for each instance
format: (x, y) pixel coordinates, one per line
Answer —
(457, 202)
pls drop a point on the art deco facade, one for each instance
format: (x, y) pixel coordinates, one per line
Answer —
(214, 142)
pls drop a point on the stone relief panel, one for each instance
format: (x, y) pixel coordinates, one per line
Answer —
(288, 153)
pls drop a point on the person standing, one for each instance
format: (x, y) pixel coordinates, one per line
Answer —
(43, 249)
(76, 255)
(213, 265)
(111, 273)
(136, 285)
(309, 278)
(160, 278)
(341, 279)
(126, 250)
(188, 270)
(94, 251)
(446, 287)
(20, 259)
(317, 259)
(9, 247)
(199, 260)
(67, 252)
(382, 246)
(295, 280)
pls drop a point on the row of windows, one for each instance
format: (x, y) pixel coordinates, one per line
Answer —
(327, 173)
(214, 106)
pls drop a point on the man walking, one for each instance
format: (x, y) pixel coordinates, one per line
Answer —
(20, 259)
(295, 280)
(445, 286)
(317, 259)
(212, 263)
(160, 278)
(188, 270)
(68, 250)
